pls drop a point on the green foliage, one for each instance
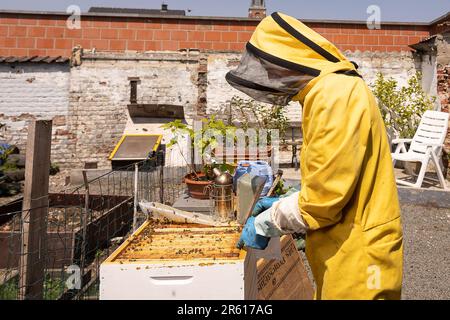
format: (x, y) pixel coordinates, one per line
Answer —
(402, 108)
(205, 139)
(53, 288)
(258, 116)
(5, 152)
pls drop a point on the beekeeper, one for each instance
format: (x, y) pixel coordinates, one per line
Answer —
(348, 204)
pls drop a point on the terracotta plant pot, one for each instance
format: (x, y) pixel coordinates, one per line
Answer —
(197, 189)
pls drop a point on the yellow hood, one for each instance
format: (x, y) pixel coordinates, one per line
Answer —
(285, 42)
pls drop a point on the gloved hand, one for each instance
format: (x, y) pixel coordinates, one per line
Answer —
(263, 204)
(249, 238)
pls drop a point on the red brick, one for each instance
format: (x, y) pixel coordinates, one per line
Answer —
(127, 34)
(356, 39)
(188, 25)
(152, 45)
(341, 38)
(109, 34)
(237, 46)
(244, 36)
(59, 52)
(63, 44)
(408, 32)
(84, 43)
(45, 43)
(55, 32)
(237, 27)
(101, 23)
(37, 52)
(333, 30)
(187, 45)
(221, 25)
(212, 36)
(18, 52)
(222, 46)
(118, 24)
(204, 45)
(169, 45)
(36, 32)
(371, 40)
(91, 33)
(414, 39)
(170, 25)
(73, 33)
(344, 47)
(161, 35)
(4, 52)
(47, 21)
(117, 45)
(3, 31)
(386, 40)
(17, 31)
(196, 35)
(135, 45)
(9, 21)
(179, 35)
(135, 24)
(28, 22)
(250, 27)
(26, 43)
(144, 34)
(154, 24)
(229, 36)
(349, 30)
(204, 25)
(8, 42)
(100, 44)
(401, 40)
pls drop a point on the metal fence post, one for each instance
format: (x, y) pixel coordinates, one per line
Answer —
(136, 178)
(84, 218)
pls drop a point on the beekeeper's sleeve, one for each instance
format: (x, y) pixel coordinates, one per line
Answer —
(336, 137)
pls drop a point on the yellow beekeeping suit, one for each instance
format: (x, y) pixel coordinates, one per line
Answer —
(349, 197)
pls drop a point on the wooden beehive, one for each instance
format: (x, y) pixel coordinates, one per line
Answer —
(196, 262)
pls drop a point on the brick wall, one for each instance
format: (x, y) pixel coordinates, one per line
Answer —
(39, 34)
(100, 93)
(31, 91)
(444, 96)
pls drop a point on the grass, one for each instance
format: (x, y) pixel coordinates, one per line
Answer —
(53, 288)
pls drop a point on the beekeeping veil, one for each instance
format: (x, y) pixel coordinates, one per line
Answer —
(282, 58)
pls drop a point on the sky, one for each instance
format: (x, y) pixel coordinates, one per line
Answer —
(391, 10)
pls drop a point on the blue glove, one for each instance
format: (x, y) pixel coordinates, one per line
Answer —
(263, 204)
(249, 238)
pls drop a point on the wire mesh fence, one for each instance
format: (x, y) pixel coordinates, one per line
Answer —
(54, 251)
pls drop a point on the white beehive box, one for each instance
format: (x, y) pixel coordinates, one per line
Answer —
(193, 262)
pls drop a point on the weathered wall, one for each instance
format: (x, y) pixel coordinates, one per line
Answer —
(100, 93)
(35, 91)
(94, 115)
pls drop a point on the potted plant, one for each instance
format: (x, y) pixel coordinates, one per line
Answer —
(205, 141)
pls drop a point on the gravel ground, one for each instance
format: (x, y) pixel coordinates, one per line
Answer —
(426, 264)
(426, 270)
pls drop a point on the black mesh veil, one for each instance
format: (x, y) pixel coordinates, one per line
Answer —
(265, 81)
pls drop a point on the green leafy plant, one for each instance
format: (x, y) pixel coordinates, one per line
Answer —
(402, 108)
(252, 114)
(205, 140)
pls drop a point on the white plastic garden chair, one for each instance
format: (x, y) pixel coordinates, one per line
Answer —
(426, 145)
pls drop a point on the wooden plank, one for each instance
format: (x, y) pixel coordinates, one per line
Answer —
(35, 206)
